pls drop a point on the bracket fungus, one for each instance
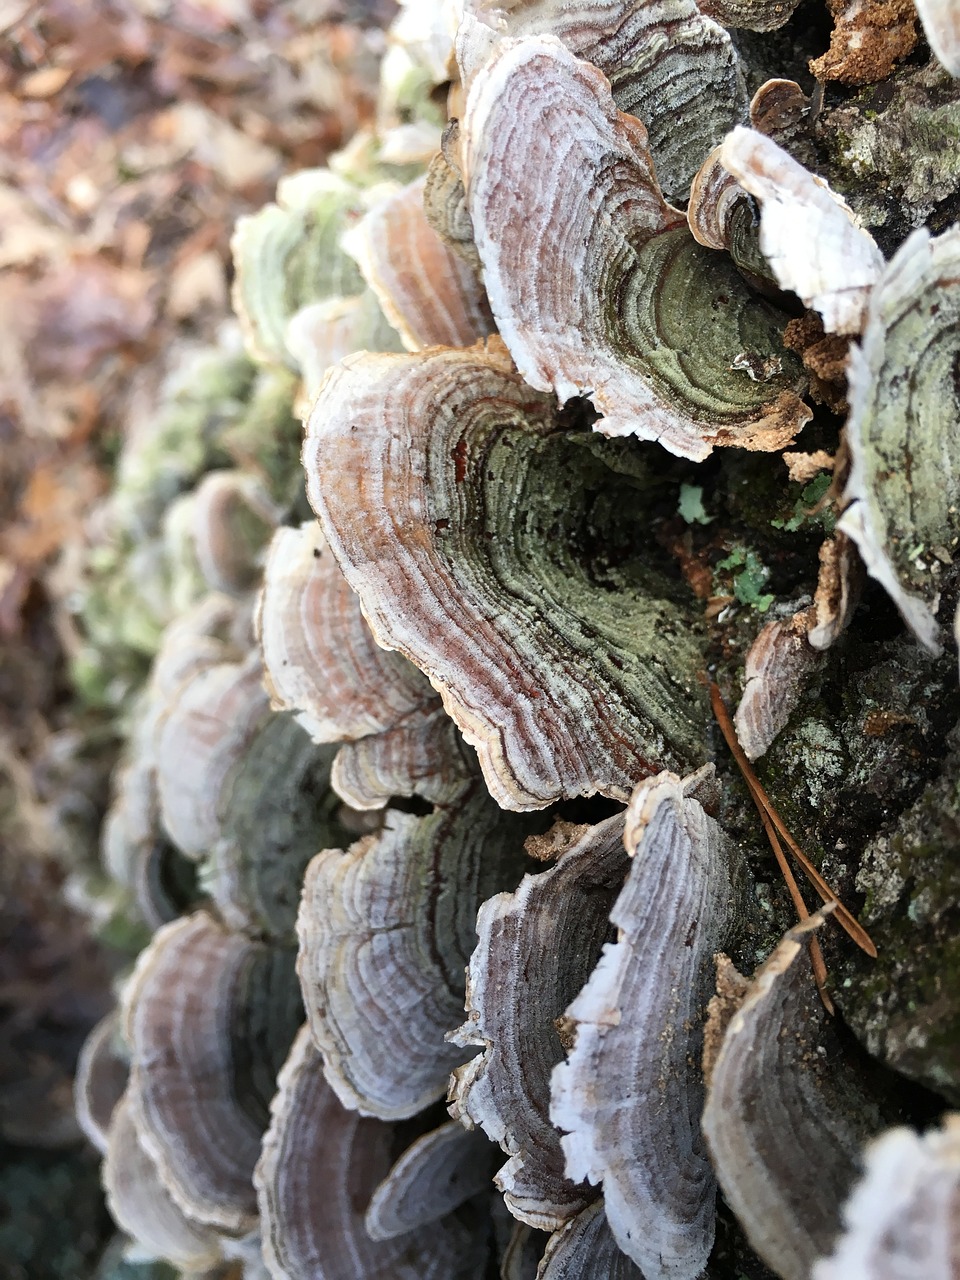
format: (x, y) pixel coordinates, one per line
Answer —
(585, 1250)
(777, 664)
(903, 491)
(101, 1078)
(940, 20)
(596, 286)
(668, 65)
(630, 1095)
(569, 675)
(385, 931)
(321, 663)
(901, 1222)
(320, 660)
(807, 233)
(320, 1166)
(429, 293)
(518, 986)
(288, 256)
(786, 1116)
(434, 1176)
(208, 1016)
(245, 792)
(142, 1205)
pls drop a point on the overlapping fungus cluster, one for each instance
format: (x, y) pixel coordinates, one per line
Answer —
(515, 346)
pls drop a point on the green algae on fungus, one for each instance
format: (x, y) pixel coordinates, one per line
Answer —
(288, 256)
(597, 287)
(495, 549)
(902, 497)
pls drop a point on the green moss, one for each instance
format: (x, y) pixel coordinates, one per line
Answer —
(807, 507)
(749, 578)
(691, 506)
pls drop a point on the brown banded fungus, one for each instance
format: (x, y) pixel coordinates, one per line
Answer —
(667, 64)
(569, 665)
(786, 1116)
(385, 931)
(807, 233)
(142, 1206)
(322, 663)
(320, 660)
(537, 948)
(101, 1078)
(209, 1017)
(903, 492)
(630, 1095)
(319, 1169)
(428, 293)
(233, 518)
(596, 286)
(902, 1221)
(778, 662)
(134, 846)
(721, 215)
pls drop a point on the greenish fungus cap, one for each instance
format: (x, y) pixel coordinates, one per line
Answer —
(902, 496)
(288, 255)
(596, 287)
(570, 667)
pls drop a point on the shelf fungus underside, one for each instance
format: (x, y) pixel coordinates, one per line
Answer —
(565, 659)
